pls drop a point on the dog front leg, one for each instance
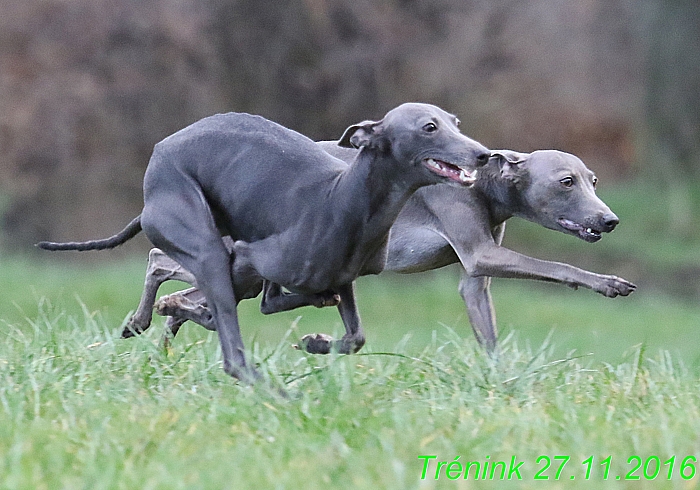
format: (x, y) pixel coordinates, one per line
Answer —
(495, 261)
(354, 337)
(475, 292)
(275, 300)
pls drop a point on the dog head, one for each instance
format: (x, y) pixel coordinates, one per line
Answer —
(424, 140)
(558, 191)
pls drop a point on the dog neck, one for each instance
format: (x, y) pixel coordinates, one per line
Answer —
(501, 195)
(371, 192)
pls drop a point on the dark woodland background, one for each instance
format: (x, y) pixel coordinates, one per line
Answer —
(87, 87)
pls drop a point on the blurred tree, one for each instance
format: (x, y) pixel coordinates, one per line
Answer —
(87, 87)
(673, 103)
(673, 96)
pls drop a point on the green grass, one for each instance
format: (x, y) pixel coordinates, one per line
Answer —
(81, 408)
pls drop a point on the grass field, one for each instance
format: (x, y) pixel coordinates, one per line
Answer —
(579, 376)
(585, 389)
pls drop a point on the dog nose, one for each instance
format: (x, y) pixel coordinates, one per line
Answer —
(483, 158)
(610, 220)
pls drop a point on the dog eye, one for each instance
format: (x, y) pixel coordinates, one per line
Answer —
(430, 127)
(457, 122)
(595, 182)
(567, 181)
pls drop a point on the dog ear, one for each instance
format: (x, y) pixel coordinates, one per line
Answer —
(510, 163)
(365, 133)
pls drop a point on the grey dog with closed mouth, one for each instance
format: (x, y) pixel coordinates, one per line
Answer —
(440, 226)
(299, 217)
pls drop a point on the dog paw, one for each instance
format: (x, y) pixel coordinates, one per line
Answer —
(322, 300)
(614, 286)
(243, 373)
(315, 343)
(320, 343)
(171, 304)
(131, 331)
(133, 328)
(350, 344)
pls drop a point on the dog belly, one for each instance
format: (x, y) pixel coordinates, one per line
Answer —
(420, 250)
(302, 269)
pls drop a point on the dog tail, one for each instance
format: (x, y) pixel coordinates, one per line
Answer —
(131, 230)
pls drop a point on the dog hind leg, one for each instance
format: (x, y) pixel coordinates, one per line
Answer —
(185, 230)
(160, 269)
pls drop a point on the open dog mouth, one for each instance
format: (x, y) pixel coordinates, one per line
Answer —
(452, 172)
(584, 233)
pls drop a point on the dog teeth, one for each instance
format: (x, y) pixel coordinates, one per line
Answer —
(588, 230)
(466, 177)
(433, 163)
